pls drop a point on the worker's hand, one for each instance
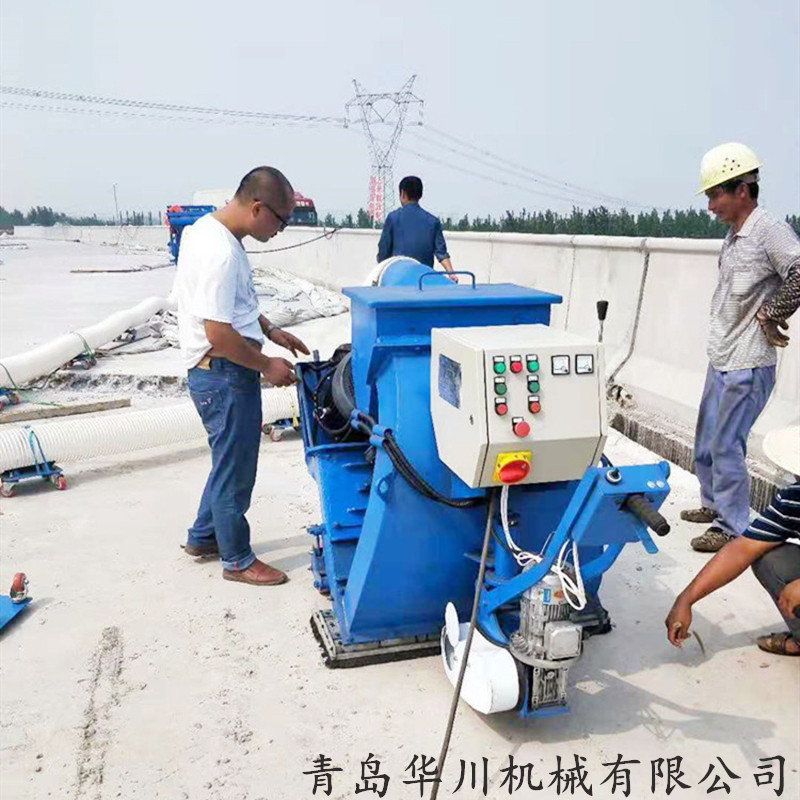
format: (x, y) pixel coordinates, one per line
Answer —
(288, 341)
(279, 372)
(678, 622)
(772, 329)
(452, 277)
(789, 598)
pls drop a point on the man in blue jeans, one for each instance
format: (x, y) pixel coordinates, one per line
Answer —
(757, 291)
(221, 333)
(411, 231)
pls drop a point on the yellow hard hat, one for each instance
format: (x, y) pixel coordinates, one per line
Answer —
(725, 162)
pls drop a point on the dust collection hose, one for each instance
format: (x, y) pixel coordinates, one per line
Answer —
(16, 371)
(468, 644)
(78, 439)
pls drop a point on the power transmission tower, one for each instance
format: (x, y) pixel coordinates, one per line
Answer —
(375, 111)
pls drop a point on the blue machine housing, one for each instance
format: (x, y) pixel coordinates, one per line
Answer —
(392, 558)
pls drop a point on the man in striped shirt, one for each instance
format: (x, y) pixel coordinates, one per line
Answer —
(757, 291)
(769, 545)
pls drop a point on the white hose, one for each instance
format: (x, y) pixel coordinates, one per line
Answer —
(573, 590)
(78, 439)
(25, 367)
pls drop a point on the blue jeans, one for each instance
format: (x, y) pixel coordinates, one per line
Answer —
(228, 399)
(732, 402)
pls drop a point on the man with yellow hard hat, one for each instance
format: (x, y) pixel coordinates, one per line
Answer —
(757, 291)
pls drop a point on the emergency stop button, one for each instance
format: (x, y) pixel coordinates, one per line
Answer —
(512, 467)
(520, 427)
(514, 471)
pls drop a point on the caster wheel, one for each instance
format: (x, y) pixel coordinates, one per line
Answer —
(7, 489)
(59, 481)
(19, 588)
(275, 434)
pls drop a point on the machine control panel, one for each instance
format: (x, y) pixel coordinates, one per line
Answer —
(504, 389)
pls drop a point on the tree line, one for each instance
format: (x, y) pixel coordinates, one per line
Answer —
(47, 217)
(599, 221)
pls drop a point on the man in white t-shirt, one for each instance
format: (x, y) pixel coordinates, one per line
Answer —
(221, 334)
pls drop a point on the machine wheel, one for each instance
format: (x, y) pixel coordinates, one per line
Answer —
(59, 481)
(7, 489)
(275, 434)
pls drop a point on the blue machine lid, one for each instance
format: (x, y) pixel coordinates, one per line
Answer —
(507, 294)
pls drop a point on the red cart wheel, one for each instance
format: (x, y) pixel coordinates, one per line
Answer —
(7, 489)
(276, 434)
(59, 481)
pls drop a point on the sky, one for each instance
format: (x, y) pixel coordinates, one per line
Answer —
(620, 97)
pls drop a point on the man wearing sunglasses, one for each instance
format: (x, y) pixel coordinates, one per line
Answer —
(758, 289)
(221, 333)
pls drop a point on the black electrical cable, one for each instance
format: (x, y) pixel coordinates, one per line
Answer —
(407, 470)
(467, 646)
(326, 235)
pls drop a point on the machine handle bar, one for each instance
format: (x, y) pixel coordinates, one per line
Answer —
(640, 506)
(454, 272)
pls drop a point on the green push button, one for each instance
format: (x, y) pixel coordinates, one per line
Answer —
(499, 367)
(500, 387)
(533, 385)
(533, 366)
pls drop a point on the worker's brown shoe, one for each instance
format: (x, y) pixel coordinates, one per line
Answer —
(201, 550)
(703, 515)
(712, 540)
(257, 574)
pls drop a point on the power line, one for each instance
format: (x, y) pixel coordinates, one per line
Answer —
(107, 112)
(522, 175)
(115, 101)
(490, 178)
(482, 176)
(533, 174)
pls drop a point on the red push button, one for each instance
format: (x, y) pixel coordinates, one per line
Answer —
(514, 471)
(516, 364)
(521, 428)
(501, 409)
(535, 407)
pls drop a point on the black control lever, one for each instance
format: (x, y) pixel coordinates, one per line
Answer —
(602, 310)
(639, 505)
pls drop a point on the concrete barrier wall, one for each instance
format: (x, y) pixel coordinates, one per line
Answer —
(665, 284)
(145, 235)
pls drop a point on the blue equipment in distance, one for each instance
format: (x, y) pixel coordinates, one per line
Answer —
(180, 217)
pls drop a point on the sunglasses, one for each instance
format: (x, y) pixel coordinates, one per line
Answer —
(284, 221)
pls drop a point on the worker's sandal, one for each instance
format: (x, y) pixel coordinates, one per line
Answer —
(712, 540)
(703, 515)
(777, 642)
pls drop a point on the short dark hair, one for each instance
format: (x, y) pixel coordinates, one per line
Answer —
(267, 184)
(412, 186)
(750, 180)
